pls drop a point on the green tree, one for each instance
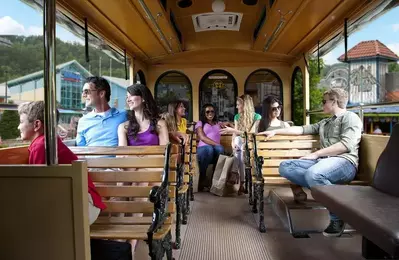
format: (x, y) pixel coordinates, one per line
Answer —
(25, 56)
(8, 124)
(297, 103)
(315, 92)
(393, 67)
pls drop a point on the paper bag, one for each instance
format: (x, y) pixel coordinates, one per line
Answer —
(225, 176)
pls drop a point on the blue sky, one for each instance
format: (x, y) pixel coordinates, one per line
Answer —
(385, 29)
(18, 18)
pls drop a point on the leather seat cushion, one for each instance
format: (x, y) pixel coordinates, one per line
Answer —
(371, 212)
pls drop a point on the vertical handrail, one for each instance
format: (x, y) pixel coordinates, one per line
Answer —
(50, 115)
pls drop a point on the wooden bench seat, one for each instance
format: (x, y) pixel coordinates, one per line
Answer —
(138, 232)
(374, 210)
(266, 157)
(139, 157)
(113, 176)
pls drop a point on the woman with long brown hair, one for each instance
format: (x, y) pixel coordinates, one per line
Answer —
(175, 121)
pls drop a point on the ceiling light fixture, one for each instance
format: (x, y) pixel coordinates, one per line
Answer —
(218, 6)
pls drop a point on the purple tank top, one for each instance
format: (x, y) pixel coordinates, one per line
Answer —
(144, 139)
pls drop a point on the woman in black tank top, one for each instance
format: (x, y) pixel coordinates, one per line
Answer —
(271, 112)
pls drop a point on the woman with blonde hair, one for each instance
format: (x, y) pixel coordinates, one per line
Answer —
(175, 121)
(245, 121)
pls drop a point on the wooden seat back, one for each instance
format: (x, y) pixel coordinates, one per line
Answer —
(45, 212)
(279, 148)
(138, 164)
(14, 155)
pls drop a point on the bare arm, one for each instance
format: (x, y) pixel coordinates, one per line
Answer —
(122, 134)
(295, 130)
(255, 127)
(163, 132)
(204, 138)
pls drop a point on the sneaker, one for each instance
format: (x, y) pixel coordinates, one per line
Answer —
(335, 229)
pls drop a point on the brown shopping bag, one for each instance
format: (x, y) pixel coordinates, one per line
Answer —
(225, 177)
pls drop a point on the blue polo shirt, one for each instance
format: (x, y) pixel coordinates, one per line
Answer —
(100, 130)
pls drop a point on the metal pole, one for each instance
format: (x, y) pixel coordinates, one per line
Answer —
(6, 90)
(50, 120)
(99, 68)
(110, 67)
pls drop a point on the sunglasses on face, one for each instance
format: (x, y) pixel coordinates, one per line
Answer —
(274, 109)
(88, 91)
(210, 112)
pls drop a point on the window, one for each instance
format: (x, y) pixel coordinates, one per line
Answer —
(297, 97)
(369, 72)
(219, 88)
(172, 86)
(262, 83)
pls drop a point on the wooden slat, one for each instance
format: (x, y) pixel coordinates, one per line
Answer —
(122, 150)
(186, 178)
(138, 232)
(134, 207)
(289, 137)
(127, 220)
(270, 171)
(130, 176)
(129, 191)
(142, 162)
(272, 163)
(184, 189)
(289, 145)
(284, 153)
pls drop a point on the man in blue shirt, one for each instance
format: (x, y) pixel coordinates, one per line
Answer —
(99, 127)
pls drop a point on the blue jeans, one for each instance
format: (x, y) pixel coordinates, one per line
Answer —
(324, 171)
(206, 155)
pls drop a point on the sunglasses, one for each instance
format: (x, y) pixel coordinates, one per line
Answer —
(274, 109)
(88, 91)
(210, 112)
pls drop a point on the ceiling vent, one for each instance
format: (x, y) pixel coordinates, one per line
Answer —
(217, 21)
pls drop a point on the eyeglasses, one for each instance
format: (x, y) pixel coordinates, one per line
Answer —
(88, 91)
(274, 109)
(325, 101)
(210, 112)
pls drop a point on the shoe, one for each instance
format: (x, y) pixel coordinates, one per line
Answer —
(335, 229)
(299, 194)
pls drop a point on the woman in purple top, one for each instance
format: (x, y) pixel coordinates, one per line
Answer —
(209, 148)
(143, 126)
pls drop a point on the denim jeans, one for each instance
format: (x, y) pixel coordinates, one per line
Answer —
(206, 155)
(324, 171)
